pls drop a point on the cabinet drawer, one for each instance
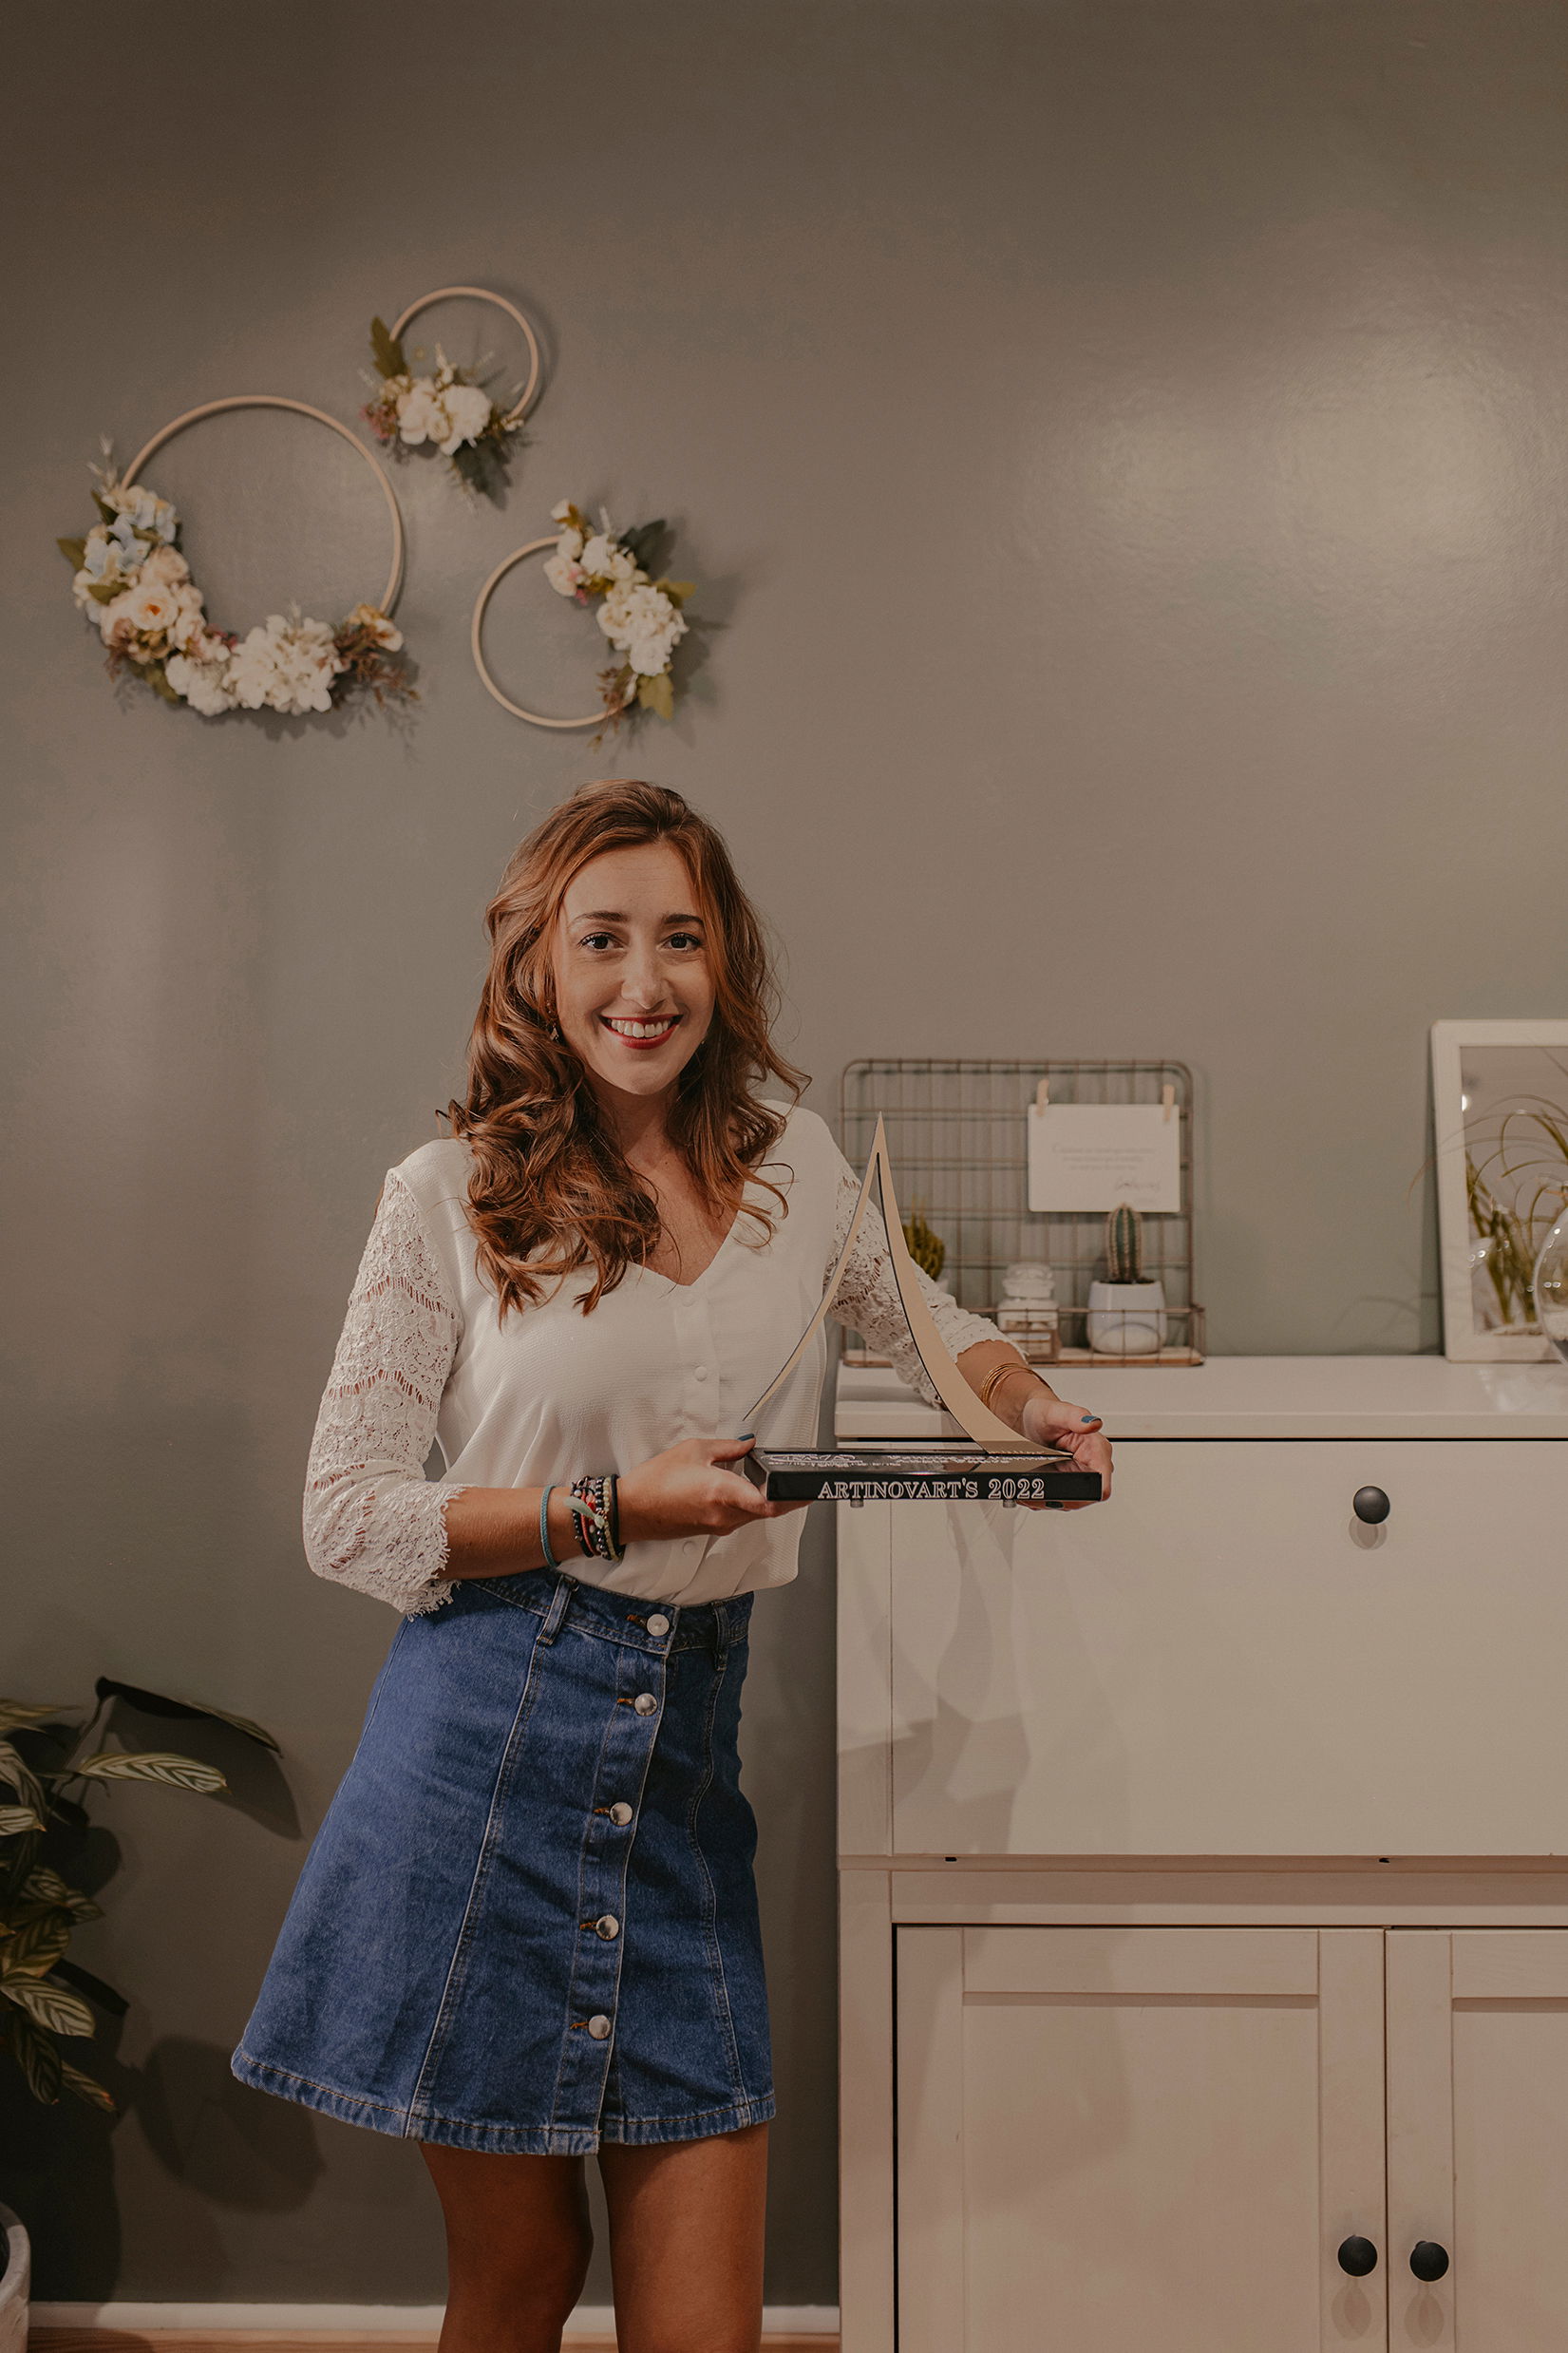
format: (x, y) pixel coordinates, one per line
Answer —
(1226, 1661)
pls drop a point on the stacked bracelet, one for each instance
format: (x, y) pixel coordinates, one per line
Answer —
(596, 1507)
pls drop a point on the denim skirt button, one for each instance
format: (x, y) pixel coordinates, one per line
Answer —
(598, 2027)
(620, 1814)
(645, 1703)
(608, 1927)
(658, 1624)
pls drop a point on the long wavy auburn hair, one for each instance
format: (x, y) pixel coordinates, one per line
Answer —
(550, 1190)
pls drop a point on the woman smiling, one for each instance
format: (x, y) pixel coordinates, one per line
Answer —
(527, 1930)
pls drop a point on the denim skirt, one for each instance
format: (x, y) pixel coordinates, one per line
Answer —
(528, 1921)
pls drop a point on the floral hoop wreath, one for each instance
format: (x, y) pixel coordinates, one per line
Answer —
(133, 582)
(641, 618)
(451, 411)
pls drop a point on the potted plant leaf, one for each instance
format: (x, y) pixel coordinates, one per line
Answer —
(1127, 1314)
(49, 2002)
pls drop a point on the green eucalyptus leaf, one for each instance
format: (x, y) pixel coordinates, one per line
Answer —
(159, 1703)
(14, 1820)
(40, 2063)
(87, 2088)
(157, 678)
(180, 1772)
(74, 551)
(17, 1774)
(105, 592)
(50, 2006)
(16, 1712)
(109, 514)
(657, 694)
(677, 590)
(386, 349)
(36, 1946)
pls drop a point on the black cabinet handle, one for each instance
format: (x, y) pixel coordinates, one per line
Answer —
(1372, 1505)
(1357, 2257)
(1427, 2260)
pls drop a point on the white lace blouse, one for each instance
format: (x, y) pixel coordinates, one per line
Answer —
(424, 1359)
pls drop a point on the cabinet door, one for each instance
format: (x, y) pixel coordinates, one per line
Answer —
(1225, 1661)
(1139, 2137)
(1477, 2137)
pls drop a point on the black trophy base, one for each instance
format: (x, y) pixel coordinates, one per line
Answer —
(936, 1471)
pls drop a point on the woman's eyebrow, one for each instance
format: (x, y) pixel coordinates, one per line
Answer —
(614, 915)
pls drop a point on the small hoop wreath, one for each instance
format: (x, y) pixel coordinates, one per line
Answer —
(132, 582)
(451, 411)
(641, 618)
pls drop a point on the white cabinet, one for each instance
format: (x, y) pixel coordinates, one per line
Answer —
(1154, 1822)
(1114, 2137)
(1154, 2136)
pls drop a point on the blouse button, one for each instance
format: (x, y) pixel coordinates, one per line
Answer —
(608, 1927)
(598, 2027)
(620, 1814)
(658, 1624)
(645, 1703)
(699, 1372)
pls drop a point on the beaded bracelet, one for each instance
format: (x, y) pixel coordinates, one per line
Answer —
(596, 1505)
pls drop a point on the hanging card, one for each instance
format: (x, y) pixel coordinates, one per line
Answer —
(1088, 1156)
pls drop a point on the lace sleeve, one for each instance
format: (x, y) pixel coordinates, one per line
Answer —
(371, 1518)
(868, 1296)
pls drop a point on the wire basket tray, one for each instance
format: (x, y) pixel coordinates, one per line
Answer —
(956, 1135)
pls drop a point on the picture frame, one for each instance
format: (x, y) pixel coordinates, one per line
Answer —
(1500, 1107)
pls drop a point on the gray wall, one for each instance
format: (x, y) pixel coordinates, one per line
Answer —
(1119, 447)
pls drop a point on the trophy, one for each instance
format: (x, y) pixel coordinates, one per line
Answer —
(995, 1464)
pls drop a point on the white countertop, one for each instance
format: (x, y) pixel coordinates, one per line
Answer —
(1259, 1398)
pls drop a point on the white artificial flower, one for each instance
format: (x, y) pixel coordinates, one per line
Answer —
(189, 625)
(140, 510)
(605, 559)
(372, 618)
(644, 624)
(421, 416)
(289, 665)
(467, 413)
(103, 565)
(166, 564)
(117, 629)
(203, 683)
(564, 574)
(152, 607)
(561, 510)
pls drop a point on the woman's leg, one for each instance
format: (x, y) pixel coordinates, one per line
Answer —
(517, 2244)
(685, 2242)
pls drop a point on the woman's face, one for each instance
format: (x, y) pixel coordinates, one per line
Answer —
(634, 982)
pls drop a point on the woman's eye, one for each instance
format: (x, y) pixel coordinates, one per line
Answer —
(595, 940)
(684, 940)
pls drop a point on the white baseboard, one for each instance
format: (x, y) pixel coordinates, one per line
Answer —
(368, 2320)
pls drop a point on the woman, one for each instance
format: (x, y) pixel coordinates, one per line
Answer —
(527, 1930)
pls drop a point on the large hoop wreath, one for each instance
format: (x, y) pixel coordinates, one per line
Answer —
(641, 618)
(451, 410)
(136, 587)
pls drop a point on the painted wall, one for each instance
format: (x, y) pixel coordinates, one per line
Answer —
(1120, 448)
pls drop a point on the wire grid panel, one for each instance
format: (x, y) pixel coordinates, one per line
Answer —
(957, 1134)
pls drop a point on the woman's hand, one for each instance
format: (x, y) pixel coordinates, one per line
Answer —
(1051, 1421)
(696, 1489)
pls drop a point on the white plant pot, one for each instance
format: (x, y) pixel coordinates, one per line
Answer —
(16, 2285)
(1127, 1319)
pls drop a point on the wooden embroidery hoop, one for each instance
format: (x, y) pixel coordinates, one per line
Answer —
(595, 718)
(300, 408)
(513, 415)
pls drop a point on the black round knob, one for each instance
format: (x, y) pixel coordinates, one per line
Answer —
(1357, 2257)
(1427, 2260)
(1372, 1505)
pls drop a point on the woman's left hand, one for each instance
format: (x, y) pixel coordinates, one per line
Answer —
(1051, 1421)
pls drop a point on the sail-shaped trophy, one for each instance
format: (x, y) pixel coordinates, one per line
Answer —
(995, 1464)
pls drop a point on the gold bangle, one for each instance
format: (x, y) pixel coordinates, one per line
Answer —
(999, 1373)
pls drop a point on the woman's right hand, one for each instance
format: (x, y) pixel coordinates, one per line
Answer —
(691, 1490)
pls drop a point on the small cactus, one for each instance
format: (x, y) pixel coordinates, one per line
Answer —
(1125, 1244)
(927, 1250)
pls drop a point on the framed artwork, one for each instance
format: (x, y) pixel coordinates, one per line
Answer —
(1499, 1094)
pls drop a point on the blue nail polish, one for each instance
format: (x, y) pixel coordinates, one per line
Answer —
(1088, 1417)
(745, 1434)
